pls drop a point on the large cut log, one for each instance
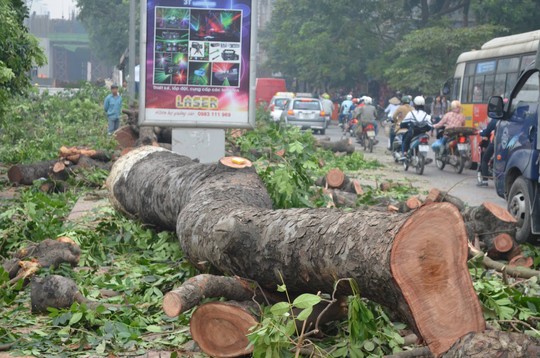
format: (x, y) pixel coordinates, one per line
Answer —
(26, 173)
(224, 219)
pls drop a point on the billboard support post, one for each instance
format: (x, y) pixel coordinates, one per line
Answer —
(199, 70)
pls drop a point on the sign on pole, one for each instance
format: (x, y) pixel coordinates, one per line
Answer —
(199, 69)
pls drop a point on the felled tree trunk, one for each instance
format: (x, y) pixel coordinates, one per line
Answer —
(224, 219)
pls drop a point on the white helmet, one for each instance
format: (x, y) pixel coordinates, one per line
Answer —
(419, 101)
(368, 100)
(349, 97)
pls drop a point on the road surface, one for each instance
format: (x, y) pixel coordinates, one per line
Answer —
(461, 185)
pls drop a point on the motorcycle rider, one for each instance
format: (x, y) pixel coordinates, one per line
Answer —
(487, 135)
(328, 106)
(344, 109)
(415, 121)
(398, 116)
(366, 114)
(452, 119)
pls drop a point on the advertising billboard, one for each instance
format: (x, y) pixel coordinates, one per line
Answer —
(200, 69)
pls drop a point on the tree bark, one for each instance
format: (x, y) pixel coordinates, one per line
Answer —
(26, 173)
(495, 344)
(224, 219)
(344, 146)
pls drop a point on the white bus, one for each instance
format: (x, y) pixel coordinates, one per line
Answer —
(492, 70)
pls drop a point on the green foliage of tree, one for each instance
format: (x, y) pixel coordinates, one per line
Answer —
(20, 51)
(516, 15)
(426, 58)
(107, 24)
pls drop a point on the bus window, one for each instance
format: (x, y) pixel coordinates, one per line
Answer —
(508, 65)
(469, 69)
(511, 80)
(488, 86)
(455, 89)
(466, 91)
(526, 61)
(477, 89)
(500, 84)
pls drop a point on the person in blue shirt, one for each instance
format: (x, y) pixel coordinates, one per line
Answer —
(113, 109)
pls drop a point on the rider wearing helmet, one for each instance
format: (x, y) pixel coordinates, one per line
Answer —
(400, 113)
(328, 106)
(417, 121)
(366, 114)
(345, 109)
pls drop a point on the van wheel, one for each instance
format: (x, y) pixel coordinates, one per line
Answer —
(323, 131)
(519, 206)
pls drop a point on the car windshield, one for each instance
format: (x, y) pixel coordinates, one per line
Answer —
(280, 102)
(307, 105)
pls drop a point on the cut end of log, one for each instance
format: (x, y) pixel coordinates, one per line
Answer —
(172, 304)
(59, 167)
(499, 212)
(357, 187)
(435, 266)
(503, 243)
(521, 261)
(413, 203)
(236, 162)
(220, 329)
(335, 178)
(15, 175)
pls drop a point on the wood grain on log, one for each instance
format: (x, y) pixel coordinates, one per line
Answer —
(220, 328)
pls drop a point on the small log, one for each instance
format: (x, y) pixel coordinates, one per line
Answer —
(515, 271)
(89, 163)
(335, 178)
(191, 292)
(422, 352)
(58, 167)
(413, 203)
(51, 253)
(521, 261)
(501, 246)
(495, 344)
(126, 137)
(343, 199)
(387, 186)
(26, 173)
(434, 196)
(58, 292)
(488, 221)
(74, 158)
(344, 146)
(220, 328)
(146, 136)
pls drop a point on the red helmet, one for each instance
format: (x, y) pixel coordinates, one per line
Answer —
(355, 100)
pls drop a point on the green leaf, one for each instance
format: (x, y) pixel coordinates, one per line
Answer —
(76, 317)
(280, 308)
(306, 300)
(154, 329)
(282, 288)
(304, 314)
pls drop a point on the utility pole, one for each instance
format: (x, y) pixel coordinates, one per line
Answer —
(132, 52)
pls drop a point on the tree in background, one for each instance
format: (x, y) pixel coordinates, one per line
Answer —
(516, 15)
(426, 58)
(107, 24)
(20, 51)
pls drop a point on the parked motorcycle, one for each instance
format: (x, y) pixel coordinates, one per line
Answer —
(457, 150)
(367, 137)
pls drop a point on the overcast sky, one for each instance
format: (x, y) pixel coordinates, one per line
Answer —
(56, 8)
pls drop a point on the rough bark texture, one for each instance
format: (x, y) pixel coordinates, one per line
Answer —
(343, 146)
(495, 344)
(191, 293)
(488, 221)
(26, 173)
(51, 253)
(52, 291)
(223, 218)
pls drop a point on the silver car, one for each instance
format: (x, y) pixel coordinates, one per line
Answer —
(306, 113)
